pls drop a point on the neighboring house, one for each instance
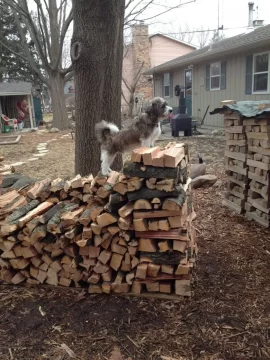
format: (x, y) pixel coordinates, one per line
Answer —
(143, 53)
(13, 94)
(237, 68)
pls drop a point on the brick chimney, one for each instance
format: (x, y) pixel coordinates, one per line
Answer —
(141, 55)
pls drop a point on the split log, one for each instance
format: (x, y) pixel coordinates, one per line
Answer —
(70, 218)
(125, 223)
(21, 211)
(173, 156)
(141, 271)
(43, 219)
(180, 246)
(158, 159)
(101, 268)
(38, 233)
(120, 288)
(165, 287)
(163, 246)
(116, 261)
(126, 210)
(147, 245)
(136, 155)
(136, 287)
(95, 211)
(177, 234)
(39, 210)
(38, 188)
(152, 225)
(168, 258)
(153, 270)
(152, 286)
(140, 225)
(145, 193)
(175, 204)
(134, 184)
(57, 185)
(87, 233)
(142, 204)
(167, 185)
(95, 228)
(147, 172)
(129, 277)
(107, 276)
(121, 188)
(148, 155)
(155, 214)
(163, 225)
(85, 217)
(105, 256)
(167, 269)
(106, 219)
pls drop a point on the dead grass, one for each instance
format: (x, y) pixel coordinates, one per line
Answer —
(226, 318)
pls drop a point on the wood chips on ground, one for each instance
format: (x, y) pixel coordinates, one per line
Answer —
(226, 318)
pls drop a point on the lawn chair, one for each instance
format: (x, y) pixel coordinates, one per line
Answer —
(10, 122)
(198, 122)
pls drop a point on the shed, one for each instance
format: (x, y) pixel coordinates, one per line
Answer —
(11, 94)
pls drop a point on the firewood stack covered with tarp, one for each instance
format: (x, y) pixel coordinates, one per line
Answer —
(130, 232)
(247, 158)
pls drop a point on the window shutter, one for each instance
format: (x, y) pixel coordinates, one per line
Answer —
(249, 68)
(162, 85)
(171, 85)
(223, 75)
(207, 78)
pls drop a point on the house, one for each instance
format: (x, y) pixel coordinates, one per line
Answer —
(142, 53)
(236, 68)
(12, 95)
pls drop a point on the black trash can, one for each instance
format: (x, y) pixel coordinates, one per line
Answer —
(181, 122)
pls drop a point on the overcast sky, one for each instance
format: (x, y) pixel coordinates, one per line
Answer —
(232, 14)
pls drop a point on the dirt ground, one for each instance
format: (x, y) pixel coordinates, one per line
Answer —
(227, 317)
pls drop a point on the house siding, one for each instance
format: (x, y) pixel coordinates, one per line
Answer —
(201, 98)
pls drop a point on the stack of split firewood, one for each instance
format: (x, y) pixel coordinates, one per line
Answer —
(247, 159)
(127, 233)
(235, 162)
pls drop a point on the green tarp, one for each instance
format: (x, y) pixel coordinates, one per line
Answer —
(245, 108)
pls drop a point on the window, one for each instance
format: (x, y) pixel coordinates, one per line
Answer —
(215, 72)
(167, 85)
(261, 73)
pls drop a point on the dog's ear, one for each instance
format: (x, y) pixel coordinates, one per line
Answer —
(148, 110)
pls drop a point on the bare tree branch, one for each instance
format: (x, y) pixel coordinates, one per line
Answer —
(69, 76)
(62, 38)
(29, 56)
(140, 11)
(127, 84)
(67, 70)
(45, 26)
(123, 96)
(131, 13)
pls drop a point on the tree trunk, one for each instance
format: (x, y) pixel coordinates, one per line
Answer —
(97, 54)
(60, 118)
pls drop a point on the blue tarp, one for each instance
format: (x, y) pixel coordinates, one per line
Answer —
(245, 108)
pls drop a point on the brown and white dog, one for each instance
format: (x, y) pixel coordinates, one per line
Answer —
(144, 131)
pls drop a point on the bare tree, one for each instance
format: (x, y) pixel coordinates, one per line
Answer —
(203, 36)
(47, 31)
(132, 89)
(136, 9)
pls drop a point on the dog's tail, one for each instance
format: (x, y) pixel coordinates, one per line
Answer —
(104, 130)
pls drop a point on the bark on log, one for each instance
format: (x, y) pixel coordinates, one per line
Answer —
(166, 258)
(137, 170)
(145, 193)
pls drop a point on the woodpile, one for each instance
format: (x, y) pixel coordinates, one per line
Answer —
(129, 233)
(247, 162)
